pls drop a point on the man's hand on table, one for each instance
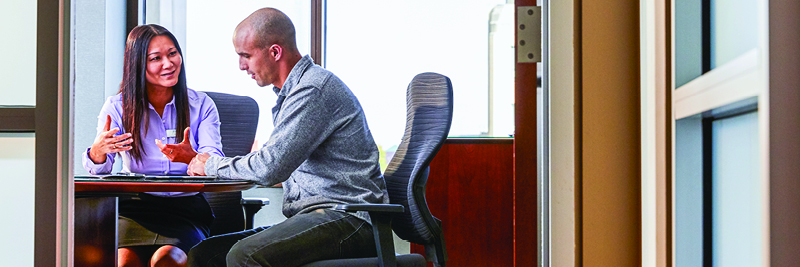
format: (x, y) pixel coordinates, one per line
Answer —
(181, 152)
(197, 167)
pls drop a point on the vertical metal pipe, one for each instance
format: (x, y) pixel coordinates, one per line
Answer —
(317, 31)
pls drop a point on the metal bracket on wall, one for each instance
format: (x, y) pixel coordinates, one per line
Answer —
(529, 34)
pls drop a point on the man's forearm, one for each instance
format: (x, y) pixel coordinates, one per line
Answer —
(248, 167)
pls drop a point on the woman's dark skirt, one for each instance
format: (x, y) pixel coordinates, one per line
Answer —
(147, 220)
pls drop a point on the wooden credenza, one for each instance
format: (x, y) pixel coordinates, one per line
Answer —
(471, 189)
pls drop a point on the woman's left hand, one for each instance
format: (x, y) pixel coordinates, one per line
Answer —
(181, 152)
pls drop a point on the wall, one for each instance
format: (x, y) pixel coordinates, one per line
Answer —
(784, 127)
(99, 48)
(610, 152)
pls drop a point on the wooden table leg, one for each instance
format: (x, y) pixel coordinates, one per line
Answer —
(96, 231)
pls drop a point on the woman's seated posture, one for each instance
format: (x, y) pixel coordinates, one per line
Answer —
(154, 108)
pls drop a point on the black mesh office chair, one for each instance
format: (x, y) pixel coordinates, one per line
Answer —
(429, 101)
(238, 116)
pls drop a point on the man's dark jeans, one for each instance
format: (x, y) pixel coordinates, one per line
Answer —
(319, 235)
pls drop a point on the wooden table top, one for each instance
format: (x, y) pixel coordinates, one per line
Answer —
(83, 184)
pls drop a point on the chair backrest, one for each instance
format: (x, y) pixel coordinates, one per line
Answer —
(238, 116)
(429, 105)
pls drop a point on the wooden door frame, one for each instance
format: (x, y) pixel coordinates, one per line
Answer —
(525, 161)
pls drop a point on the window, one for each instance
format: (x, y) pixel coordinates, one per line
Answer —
(376, 48)
(720, 88)
(727, 31)
(375, 53)
(211, 61)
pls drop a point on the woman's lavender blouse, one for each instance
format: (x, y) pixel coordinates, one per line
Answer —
(203, 135)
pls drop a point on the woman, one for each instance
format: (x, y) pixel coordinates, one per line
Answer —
(159, 228)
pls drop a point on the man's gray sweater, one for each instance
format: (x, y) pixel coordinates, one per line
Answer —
(321, 148)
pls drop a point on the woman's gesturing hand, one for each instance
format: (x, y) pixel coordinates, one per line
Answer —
(181, 152)
(106, 143)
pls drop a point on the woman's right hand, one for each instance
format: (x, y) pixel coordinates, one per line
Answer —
(106, 143)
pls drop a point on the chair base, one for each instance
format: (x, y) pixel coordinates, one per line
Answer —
(406, 260)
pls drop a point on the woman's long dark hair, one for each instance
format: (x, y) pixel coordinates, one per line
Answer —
(134, 87)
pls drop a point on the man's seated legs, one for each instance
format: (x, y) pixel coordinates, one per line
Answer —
(213, 250)
(303, 238)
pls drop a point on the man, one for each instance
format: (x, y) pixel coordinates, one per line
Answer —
(321, 150)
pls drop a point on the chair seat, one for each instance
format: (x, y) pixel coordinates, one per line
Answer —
(405, 260)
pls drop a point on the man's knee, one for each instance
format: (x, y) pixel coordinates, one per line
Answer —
(237, 255)
(194, 256)
(213, 251)
(246, 254)
(203, 255)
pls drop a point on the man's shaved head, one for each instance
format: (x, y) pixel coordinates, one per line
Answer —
(270, 26)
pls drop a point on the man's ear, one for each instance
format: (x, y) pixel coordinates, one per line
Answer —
(275, 51)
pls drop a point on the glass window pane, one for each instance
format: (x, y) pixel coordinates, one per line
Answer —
(689, 192)
(18, 67)
(734, 29)
(688, 41)
(17, 163)
(377, 47)
(211, 61)
(737, 229)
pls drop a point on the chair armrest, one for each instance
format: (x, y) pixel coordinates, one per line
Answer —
(255, 201)
(250, 207)
(381, 216)
(389, 208)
